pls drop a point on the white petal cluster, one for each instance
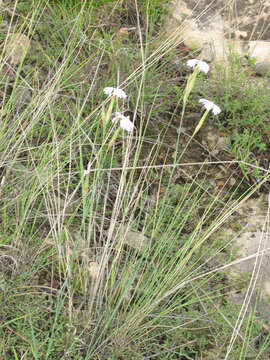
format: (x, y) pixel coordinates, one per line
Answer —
(209, 105)
(88, 169)
(115, 91)
(201, 65)
(125, 123)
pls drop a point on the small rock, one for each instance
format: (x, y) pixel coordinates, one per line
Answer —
(132, 238)
(220, 146)
(232, 181)
(260, 50)
(222, 143)
(210, 135)
(262, 68)
(193, 116)
(212, 183)
(207, 53)
(214, 152)
(17, 46)
(93, 269)
(4, 24)
(22, 97)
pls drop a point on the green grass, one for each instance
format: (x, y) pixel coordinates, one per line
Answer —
(149, 226)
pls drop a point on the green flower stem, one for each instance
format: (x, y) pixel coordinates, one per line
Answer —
(106, 116)
(115, 135)
(188, 89)
(194, 133)
(190, 85)
(200, 124)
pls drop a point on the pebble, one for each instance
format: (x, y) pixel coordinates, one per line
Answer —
(17, 47)
(232, 181)
(262, 68)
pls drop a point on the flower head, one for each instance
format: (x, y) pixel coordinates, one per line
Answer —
(115, 91)
(201, 65)
(125, 123)
(209, 105)
(88, 169)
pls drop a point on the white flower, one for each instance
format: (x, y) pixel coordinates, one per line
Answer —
(209, 105)
(125, 123)
(120, 93)
(108, 90)
(88, 170)
(117, 116)
(115, 91)
(201, 65)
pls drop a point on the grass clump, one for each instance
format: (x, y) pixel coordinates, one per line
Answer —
(107, 243)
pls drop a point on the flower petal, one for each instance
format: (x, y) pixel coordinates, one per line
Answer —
(108, 90)
(115, 91)
(209, 105)
(117, 116)
(126, 124)
(88, 169)
(216, 109)
(202, 65)
(119, 93)
(191, 63)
